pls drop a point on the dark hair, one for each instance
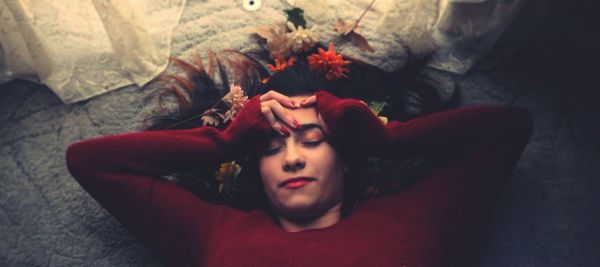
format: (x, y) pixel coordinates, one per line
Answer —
(198, 91)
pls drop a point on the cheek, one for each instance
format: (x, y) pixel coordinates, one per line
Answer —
(331, 166)
(267, 168)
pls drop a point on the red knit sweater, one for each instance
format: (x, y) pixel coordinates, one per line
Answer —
(435, 222)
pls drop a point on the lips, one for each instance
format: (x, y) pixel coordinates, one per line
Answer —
(296, 182)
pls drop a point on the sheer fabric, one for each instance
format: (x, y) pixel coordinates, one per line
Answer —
(81, 49)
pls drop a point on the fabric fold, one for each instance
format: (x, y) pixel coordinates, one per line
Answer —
(81, 49)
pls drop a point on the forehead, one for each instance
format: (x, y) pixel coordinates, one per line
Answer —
(307, 115)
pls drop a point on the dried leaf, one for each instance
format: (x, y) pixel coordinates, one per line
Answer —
(361, 42)
(277, 39)
(264, 31)
(377, 106)
(350, 30)
(343, 27)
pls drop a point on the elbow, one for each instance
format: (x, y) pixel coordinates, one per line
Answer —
(522, 122)
(73, 159)
(512, 122)
(78, 159)
(520, 128)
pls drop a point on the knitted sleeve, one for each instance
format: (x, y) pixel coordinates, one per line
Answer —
(120, 172)
(450, 206)
(442, 215)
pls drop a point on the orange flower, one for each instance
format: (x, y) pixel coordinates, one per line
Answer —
(329, 62)
(281, 64)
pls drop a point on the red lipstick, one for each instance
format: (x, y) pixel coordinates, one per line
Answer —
(296, 182)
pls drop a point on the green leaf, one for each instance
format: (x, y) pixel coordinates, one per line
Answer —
(296, 16)
(377, 106)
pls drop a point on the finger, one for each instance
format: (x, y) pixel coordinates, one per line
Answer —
(308, 101)
(268, 113)
(281, 98)
(282, 113)
(284, 131)
(281, 129)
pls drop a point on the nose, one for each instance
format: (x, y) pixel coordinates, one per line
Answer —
(293, 159)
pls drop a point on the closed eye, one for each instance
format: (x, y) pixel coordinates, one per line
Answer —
(276, 149)
(312, 143)
(272, 151)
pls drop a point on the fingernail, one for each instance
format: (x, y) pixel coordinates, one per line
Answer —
(294, 103)
(295, 123)
(284, 131)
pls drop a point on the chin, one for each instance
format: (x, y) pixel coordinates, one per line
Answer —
(300, 210)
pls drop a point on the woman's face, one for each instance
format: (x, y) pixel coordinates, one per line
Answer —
(302, 174)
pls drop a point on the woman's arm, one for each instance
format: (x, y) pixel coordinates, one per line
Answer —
(459, 131)
(454, 131)
(446, 211)
(442, 215)
(120, 173)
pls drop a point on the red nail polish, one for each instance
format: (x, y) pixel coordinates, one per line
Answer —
(285, 131)
(296, 124)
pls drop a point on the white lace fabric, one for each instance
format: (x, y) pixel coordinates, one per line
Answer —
(83, 48)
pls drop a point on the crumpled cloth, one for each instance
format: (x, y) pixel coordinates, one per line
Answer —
(81, 49)
(459, 32)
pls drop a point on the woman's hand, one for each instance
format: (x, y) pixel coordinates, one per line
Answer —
(351, 121)
(274, 107)
(260, 115)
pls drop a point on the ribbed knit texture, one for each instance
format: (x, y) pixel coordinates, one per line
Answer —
(438, 221)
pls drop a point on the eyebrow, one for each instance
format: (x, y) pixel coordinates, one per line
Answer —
(303, 128)
(308, 126)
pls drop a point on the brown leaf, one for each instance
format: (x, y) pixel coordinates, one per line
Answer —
(264, 31)
(343, 27)
(361, 42)
(350, 30)
(276, 39)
